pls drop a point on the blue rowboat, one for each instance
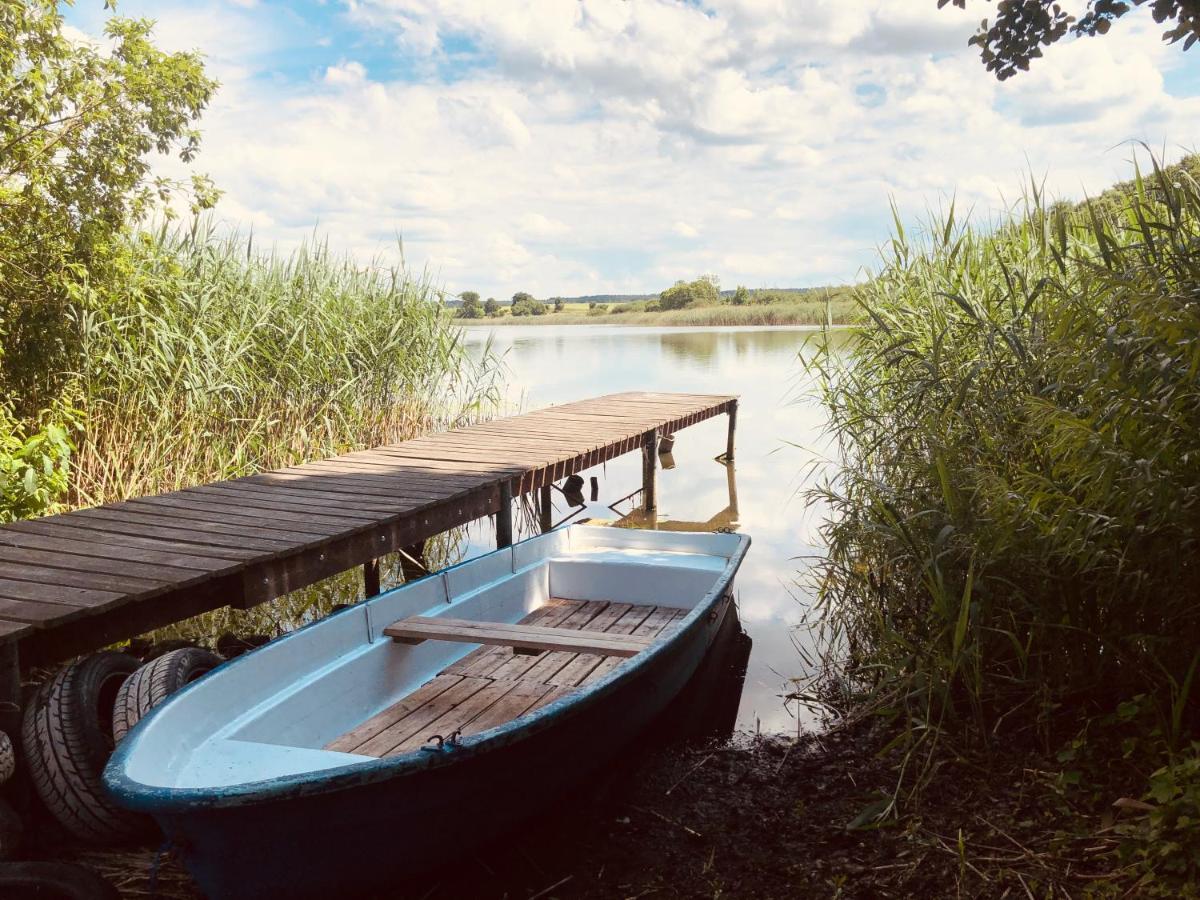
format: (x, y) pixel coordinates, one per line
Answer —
(396, 734)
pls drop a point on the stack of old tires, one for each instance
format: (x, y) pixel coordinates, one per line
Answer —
(69, 729)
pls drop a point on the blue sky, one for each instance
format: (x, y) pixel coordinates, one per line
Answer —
(593, 146)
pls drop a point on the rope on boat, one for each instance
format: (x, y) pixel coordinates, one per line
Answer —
(443, 743)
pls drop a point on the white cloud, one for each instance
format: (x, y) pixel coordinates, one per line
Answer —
(536, 225)
(349, 74)
(484, 121)
(593, 146)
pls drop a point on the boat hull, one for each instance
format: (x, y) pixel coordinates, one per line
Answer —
(359, 838)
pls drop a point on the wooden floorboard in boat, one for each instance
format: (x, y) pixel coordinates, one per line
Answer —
(654, 624)
(492, 685)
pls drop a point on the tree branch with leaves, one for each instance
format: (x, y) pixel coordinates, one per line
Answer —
(1021, 28)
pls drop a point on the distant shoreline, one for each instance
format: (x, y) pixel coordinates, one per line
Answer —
(838, 312)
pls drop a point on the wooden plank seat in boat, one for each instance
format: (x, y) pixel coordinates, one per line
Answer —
(490, 685)
(535, 638)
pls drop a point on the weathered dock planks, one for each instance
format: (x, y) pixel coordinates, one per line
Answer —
(81, 580)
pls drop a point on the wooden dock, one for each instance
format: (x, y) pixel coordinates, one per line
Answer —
(79, 581)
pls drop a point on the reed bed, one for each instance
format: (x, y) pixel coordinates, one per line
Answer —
(1013, 550)
(210, 360)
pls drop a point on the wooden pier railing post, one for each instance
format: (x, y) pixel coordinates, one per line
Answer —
(732, 428)
(504, 532)
(545, 508)
(371, 578)
(650, 470)
(10, 692)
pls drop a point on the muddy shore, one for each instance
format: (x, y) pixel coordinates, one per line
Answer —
(696, 810)
(762, 817)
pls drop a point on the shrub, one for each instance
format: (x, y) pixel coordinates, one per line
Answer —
(526, 305)
(470, 308)
(701, 292)
(34, 467)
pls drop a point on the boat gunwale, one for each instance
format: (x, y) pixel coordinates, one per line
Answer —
(163, 800)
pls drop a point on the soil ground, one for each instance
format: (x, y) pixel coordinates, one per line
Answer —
(760, 817)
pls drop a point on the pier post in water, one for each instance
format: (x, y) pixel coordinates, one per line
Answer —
(371, 578)
(545, 508)
(10, 692)
(733, 406)
(650, 470)
(504, 516)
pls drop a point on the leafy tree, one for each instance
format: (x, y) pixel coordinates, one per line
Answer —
(77, 128)
(470, 306)
(741, 296)
(1021, 28)
(524, 304)
(559, 304)
(701, 292)
(491, 308)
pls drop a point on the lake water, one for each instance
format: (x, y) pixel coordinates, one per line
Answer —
(780, 448)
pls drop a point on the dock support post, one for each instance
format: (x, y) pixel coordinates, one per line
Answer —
(504, 516)
(732, 428)
(371, 578)
(650, 470)
(10, 692)
(545, 508)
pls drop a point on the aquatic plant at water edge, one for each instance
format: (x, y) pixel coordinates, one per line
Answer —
(210, 360)
(1013, 551)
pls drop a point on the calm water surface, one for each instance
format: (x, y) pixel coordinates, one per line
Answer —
(779, 438)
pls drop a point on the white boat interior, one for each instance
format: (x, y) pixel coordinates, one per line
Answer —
(479, 645)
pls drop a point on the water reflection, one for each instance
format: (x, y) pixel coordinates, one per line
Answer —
(780, 449)
(725, 519)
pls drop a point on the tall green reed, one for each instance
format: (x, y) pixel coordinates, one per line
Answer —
(210, 360)
(1014, 537)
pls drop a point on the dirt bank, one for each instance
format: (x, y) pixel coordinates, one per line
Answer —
(764, 818)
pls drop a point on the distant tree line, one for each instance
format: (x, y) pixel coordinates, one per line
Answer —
(522, 304)
(703, 291)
